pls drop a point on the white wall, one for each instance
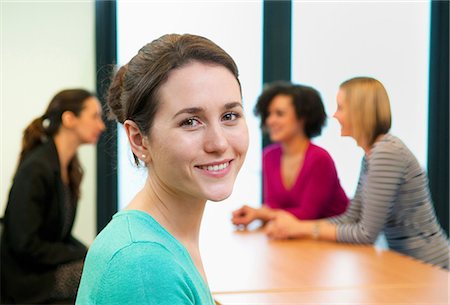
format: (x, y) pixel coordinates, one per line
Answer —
(389, 40)
(332, 41)
(45, 47)
(236, 26)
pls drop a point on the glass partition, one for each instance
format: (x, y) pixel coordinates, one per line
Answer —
(335, 40)
(237, 28)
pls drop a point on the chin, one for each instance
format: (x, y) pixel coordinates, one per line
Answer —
(91, 141)
(219, 194)
(219, 197)
(215, 199)
(275, 139)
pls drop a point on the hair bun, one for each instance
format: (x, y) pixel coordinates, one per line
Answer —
(114, 97)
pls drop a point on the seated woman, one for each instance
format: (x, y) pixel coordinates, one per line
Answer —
(392, 194)
(41, 260)
(299, 177)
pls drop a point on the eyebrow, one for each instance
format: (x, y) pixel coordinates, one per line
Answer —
(233, 105)
(194, 110)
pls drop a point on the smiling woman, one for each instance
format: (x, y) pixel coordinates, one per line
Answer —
(392, 196)
(299, 177)
(179, 100)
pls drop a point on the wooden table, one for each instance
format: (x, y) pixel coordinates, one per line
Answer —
(417, 294)
(248, 268)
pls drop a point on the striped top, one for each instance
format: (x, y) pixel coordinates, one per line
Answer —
(393, 196)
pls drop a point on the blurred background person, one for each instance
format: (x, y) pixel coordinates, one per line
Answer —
(392, 195)
(299, 177)
(41, 262)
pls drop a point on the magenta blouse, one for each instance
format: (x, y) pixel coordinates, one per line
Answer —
(315, 194)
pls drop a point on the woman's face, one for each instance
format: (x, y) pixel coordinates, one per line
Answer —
(89, 125)
(199, 137)
(282, 122)
(342, 114)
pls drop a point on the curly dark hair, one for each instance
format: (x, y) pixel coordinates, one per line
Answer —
(306, 100)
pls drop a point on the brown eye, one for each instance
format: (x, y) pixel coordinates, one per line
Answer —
(191, 122)
(230, 116)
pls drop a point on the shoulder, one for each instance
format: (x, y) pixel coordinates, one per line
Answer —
(35, 172)
(318, 151)
(153, 273)
(391, 155)
(132, 234)
(127, 244)
(150, 256)
(147, 254)
(389, 148)
(42, 159)
(272, 150)
(135, 273)
(318, 154)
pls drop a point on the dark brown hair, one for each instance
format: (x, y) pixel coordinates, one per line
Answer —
(306, 101)
(48, 125)
(133, 94)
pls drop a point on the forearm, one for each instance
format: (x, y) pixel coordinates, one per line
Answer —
(324, 230)
(265, 213)
(315, 229)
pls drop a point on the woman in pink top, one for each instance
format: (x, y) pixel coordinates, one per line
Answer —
(298, 176)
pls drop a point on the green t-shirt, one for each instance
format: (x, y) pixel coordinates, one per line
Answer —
(136, 261)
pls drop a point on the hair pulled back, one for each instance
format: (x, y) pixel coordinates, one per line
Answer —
(48, 125)
(133, 93)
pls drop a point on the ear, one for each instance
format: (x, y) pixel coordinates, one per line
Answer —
(68, 119)
(138, 141)
(301, 124)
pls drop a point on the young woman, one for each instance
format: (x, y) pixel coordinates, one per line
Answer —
(179, 100)
(392, 194)
(299, 177)
(41, 260)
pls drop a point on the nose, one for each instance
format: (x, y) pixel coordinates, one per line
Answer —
(269, 120)
(215, 140)
(102, 125)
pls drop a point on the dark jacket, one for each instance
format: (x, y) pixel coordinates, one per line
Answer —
(32, 245)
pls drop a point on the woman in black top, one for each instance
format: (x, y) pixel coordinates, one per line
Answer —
(41, 262)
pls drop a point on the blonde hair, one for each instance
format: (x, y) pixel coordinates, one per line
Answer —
(369, 108)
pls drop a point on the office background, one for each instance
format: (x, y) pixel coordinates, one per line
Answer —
(47, 46)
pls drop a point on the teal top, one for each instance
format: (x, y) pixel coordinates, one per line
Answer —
(134, 260)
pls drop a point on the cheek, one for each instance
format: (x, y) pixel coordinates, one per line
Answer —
(89, 127)
(345, 121)
(348, 126)
(84, 130)
(171, 150)
(270, 121)
(239, 140)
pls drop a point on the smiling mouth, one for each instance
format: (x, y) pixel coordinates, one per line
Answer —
(215, 167)
(273, 129)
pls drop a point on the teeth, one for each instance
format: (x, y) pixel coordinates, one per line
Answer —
(217, 167)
